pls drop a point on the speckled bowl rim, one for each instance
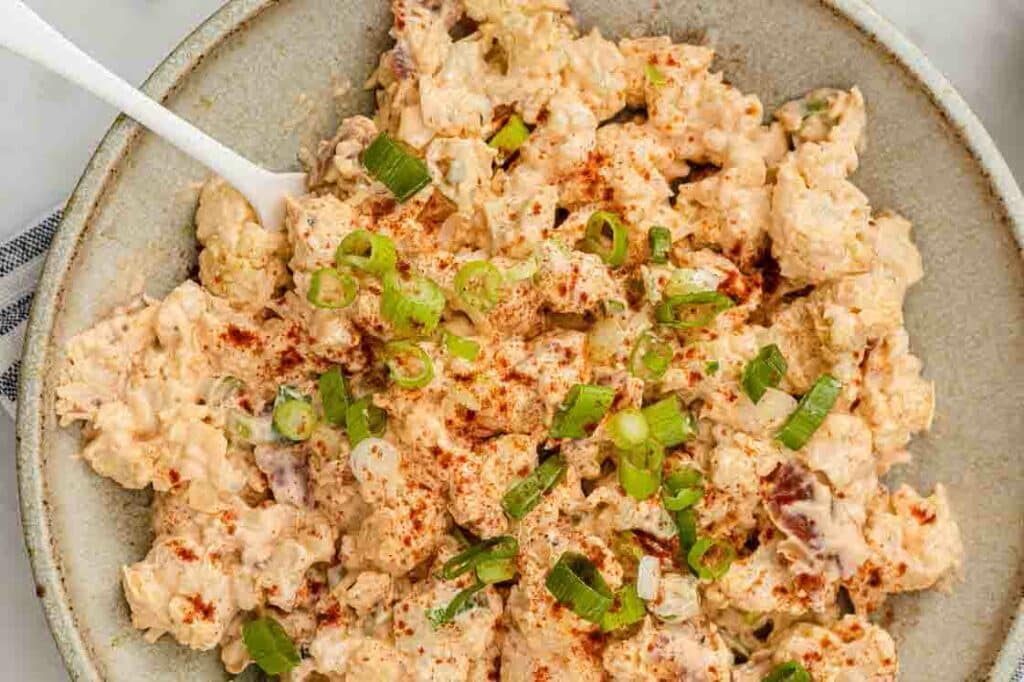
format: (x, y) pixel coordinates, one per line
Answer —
(102, 172)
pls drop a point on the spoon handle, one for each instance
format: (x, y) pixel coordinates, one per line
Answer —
(25, 33)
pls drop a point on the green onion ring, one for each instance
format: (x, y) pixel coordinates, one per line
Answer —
(627, 609)
(491, 570)
(640, 470)
(396, 167)
(334, 395)
(527, 493)
(660, 240)
(330, 288)
(712, 302)
(686, 526)
(810, 412)
(413, 304)
(501, 547)
(650, 358)
(367, 251)
(270, 646)
(584, 406)
(682, 489)
(790, 671)
(478, 285)
(602, 227)
(575, 581)
(670, 426)
(628, 429)
(695, 558)
(763, 372)
(461, 347)
(400, 353)
(364, 419)
(294, 419)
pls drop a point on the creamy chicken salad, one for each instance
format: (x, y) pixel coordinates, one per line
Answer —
(568, 367)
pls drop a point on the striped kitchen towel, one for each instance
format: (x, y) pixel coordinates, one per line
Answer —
(21, 262)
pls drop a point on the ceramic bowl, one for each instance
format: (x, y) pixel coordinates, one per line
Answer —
(261, 76)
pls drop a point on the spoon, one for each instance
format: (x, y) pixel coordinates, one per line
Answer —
(25, 33)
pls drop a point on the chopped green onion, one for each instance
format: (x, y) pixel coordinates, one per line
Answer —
(461, 347)
(687, 311)
(627, 549)
(294, 419)
(628, 429)
(810, 412)
(711, 367)
(654, 75)
(367, 251)
(460, 603)
(607, 237)
(575, 581)
(330, 288)
(660, 239)
(243, 427)
(491, 571)
(640, 470)
(334, 395)
(584, 407)
(527, 493)
(686, 525)
(364, 419)
(650, 358)
(270, 646)
(478, 285)
(502, 547)
(511, 136)
(695, 558)
(401, 354)
(682, 489)
(413, 304)
(763, 372)
(790, 671)
(628, 609)
(613, 307)
(691, 281)
(670, 426)
(396, 167)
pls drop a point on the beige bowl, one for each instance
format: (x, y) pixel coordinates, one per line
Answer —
(261, 75)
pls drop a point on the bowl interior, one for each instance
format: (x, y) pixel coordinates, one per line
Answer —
(273, 86)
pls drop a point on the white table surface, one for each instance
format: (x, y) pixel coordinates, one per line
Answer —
(48, 130)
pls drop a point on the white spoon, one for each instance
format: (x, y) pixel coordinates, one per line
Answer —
(23, 32)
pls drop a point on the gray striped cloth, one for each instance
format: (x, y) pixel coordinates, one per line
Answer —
(21, 262)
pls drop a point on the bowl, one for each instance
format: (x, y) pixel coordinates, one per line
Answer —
(263, 76)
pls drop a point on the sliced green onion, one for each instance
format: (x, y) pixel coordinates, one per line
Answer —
(607, 237)
(364, 419)
(334, 395)
(576, 582)
(628, 429)
(461, 347)
(688, 311)
(613, 307)
(660, 239)
(640, 470)
(491, 571)
(650, 358)
(695, 558)
(627, 549)
(367, 251)
(527, 493)
(502, 547)
(413, 304)
(396, 167)
(294, 419)
(711, 367)
(654, 76)
(670, 426)
(583, 408)
(460, 603)
(478, 285)
(243, 427)
(682, 489)
(511, 136)
(330, 288)
(763, 372)
(810, 412)
(691, 281)
(628, 609)
(686, 525)
(401, 354)
(270, 646)
(790, 671)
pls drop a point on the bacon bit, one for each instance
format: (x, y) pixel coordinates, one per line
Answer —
(786, 484)
(174, 476)
(435, 212)
(200, 609)
(874, 577)
(924, 516)
(240, 338)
